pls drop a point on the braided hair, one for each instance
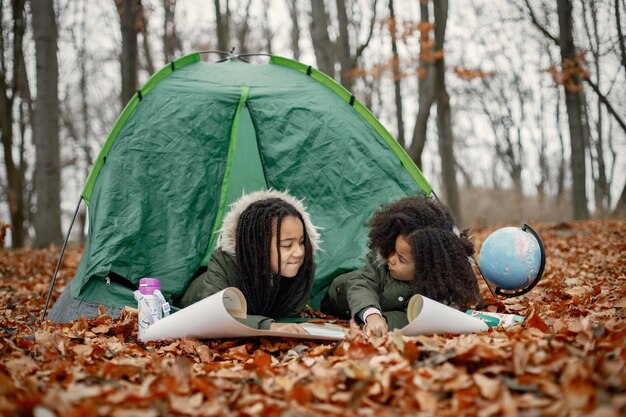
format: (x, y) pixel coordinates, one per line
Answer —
(442, 268)
(267, 293)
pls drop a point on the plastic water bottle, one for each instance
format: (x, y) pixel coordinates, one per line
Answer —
(151, 304)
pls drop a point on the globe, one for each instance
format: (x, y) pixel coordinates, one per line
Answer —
(510, 258)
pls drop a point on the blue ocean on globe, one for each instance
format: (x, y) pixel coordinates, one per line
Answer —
(510, 258)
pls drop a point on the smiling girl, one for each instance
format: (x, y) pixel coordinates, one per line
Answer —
(415, 249)
(266, 249)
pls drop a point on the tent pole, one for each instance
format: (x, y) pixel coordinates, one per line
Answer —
(56, 270)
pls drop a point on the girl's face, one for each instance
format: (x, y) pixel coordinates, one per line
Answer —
(401, 262)
(291, 247)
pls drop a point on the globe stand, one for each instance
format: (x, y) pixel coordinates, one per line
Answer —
(516, 293)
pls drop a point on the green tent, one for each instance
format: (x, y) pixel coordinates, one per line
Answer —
(198, 135)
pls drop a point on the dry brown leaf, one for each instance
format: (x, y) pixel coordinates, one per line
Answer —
(489, 387)
(186, 404)
(426, 400)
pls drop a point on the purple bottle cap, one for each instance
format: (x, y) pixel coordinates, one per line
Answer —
(147, 286)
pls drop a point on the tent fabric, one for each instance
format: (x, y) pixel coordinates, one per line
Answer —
(206, 133)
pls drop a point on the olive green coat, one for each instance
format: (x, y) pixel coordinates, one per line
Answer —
(370, 286)
(223, 271)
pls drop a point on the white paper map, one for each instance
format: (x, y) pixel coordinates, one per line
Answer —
(216, 317)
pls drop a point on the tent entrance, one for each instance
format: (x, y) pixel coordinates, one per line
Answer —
(245, 172)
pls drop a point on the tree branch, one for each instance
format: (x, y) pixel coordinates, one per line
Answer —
(606, 103)
(620, 35)
(364, 45)
(603, 99)
(533, 19)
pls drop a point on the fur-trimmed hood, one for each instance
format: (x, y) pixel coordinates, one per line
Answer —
(228, 232)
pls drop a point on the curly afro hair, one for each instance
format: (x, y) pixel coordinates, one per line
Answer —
(442, 268)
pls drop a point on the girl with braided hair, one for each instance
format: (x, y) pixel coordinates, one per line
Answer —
(415, 249)
(266, 249)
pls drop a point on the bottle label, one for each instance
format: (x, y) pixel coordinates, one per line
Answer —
(496, 319)
(149, 310)
(149, 313)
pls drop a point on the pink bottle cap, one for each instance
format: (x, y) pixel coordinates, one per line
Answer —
(147, 286)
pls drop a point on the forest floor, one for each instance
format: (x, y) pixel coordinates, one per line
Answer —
(568, 358)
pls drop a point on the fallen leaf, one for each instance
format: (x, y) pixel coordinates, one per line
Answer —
(489, 387)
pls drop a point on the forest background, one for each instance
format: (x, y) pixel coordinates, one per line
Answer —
(514, 110)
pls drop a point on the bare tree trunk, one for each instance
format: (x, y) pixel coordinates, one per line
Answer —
(620, 34)
(620, 207)
(444, 118)
(502, 122)
(560, 183)
(84, 140)
(602, 189)
(516, 152)
(8, 89)
(243, 29)
(145, 39)
(368, 93)
(348, 60)
(46, 126)
(561, 170)
(222, 23)
(543, 158)
(573, 102)
(322, 45)
(292, 5)
(446, 151)
(426, 83)
(128, 11)
(267, 30)
(171, 41)
(397, 77)
(344, 54)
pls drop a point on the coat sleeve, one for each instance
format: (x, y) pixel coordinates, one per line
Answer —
(364, 288)
(396, 319)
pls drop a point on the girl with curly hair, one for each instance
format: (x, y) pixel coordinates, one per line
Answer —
(415, 249)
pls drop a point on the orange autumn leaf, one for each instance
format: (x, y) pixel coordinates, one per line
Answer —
(261, 362)
(360, 350)
(122, 371)
(204, 386)
(533, 320)
(300, 394)
(411, 352)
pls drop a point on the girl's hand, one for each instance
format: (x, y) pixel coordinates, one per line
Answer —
(288, 328)
(375, 325)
